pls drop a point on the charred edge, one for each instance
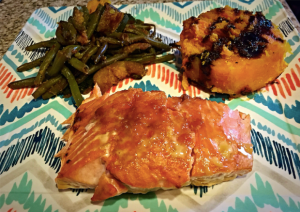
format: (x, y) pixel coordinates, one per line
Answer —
(219, 20)
(238, 20)
(236, 11)
(220, 10)
(247, 12)
(206, 38)
(194, 21)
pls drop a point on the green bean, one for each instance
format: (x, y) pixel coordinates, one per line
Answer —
(86, 14)
(94, 19)
(157, 44)
(81, 78)
(164, 58)
(57, 65)
(114, 46)
(154, 31)
(152, 50)
(110, 40)
(81, 81)
(73, 85)
(24, 83)
(138, 21)
(87, 85)
(46, 44)
(92, 50)
(141, 55)
(60, 59)
(70, 50)
(107, 62)
(135, 38)
(143, 60)
(80, 66)
(79, 55)
(143, 26)
(100, 52)
(136, 46)
(126, 51)
(134, 31)
(45, 64)
(45, 86)
(56, 88)
(30, 65)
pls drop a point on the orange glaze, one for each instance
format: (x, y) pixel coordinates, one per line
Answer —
(146, 141)
(220, 133)
(153, 150)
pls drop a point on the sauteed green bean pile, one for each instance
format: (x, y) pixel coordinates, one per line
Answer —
(91, 43)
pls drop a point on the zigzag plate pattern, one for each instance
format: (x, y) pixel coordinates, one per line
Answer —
(30, 130)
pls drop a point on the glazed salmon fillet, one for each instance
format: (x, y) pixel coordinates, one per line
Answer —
(135, 141)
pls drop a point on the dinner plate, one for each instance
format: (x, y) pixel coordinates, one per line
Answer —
(30, 130)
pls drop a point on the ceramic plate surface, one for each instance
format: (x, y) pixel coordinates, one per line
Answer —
(30, 130)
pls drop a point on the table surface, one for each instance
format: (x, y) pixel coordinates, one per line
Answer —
(14, 14)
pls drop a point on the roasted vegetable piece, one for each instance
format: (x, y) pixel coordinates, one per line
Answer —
(94, 20)
(66, 33)
(123, 23)
(112, 74)
(24, 83)
(73, 85)
(78, 20)
(45, 64)
(30, 65)
(110, 20)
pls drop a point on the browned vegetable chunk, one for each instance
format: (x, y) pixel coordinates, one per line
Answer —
(112, 74)
(110, 20)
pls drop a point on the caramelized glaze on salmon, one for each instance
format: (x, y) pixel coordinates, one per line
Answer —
(135, 141)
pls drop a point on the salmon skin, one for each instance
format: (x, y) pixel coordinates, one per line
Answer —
(135, 141)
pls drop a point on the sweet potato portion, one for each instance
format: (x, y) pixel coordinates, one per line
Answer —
(232, 51)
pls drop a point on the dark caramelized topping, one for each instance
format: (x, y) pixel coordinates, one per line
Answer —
(68, 161)
(250, 43)
(220, 10)
(236, 11)
(219, 20)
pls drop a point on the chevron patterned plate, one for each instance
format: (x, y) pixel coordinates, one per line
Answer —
(30, 130)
